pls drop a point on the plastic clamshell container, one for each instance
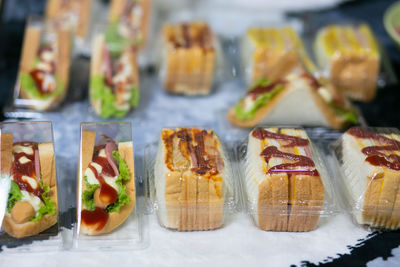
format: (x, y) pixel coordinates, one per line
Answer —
(114, 76)
(367, 160)
(190, 180)
(286, 186)
(28, 185)
(43, 76)
(129, 19)
(262, 48)
(73, 15)
(190, 57)
(350, 56)
(107, 217)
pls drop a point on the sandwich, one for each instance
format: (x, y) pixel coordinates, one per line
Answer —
(32, 198)
(371, 166)
(188, 58)
(114, 80)
(106, 192)
(350, 56)
(128, 21)
(292, 97)
(263, 48)
(44, 68)
(282, 180)
(191, 179)
(70, 14)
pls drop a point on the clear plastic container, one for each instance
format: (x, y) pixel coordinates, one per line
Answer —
(286, 186)
(129, 19)
(72, 14)
(29, 199)
(348, 53)
(368, 162)
(43, 76)
(114, 76)
(107, 217)
(191, 58)
(191, 184)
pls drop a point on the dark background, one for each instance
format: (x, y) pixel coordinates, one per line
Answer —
(383, 111)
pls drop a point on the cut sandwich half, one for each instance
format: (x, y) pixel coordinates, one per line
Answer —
(44, 68)
(106, 185)
(190, 179)
(371, 164)
(32, 199)
(293, 98)
(283, 185)
(114, 80)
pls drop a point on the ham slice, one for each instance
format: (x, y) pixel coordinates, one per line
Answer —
(37, 165)
(110, 147)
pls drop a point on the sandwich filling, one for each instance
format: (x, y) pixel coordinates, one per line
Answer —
(263, 91)
(105, 180)
(28, 197)
(115, 88)
(41, 82)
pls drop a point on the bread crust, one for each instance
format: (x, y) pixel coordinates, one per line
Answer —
(6, 153)
(48, 171)
(115, 219)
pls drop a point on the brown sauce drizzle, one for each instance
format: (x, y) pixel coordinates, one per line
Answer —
(192, 142)
(312, 81)
(262, 89)
(374, 155)
(97, 217)
(28, 169)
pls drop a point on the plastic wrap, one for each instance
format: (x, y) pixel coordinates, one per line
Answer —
(350, 56)
(129, 19)
(43, 77)
(190, 57)
(106, 206)
(28, 185)
(114, 77)
(286, 186)
(367, 160)
(191, 183)
(71, 14)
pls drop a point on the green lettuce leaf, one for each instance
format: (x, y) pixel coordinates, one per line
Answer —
(261, 100)
(124, 176)
(13, 196)
(115, 41)
(104, 94)
(135, 96)
(29, 86)
(47, 207)
(348, 115)
(88, 195)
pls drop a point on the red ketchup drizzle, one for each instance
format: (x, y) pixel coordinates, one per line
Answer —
(107, 193)
(97, 217)
(272, 151)
(39, 75)
(374, 155)
(302, 161)
(28, 169)
(292, 140)
(312, 81)
(262, 89)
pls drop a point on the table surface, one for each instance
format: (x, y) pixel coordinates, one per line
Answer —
(337, 241)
